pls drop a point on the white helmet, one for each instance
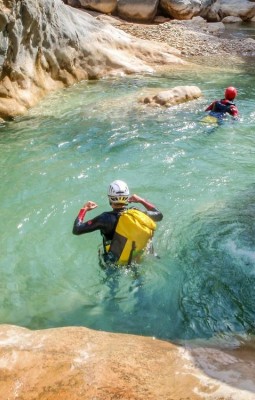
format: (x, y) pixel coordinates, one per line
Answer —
(118, 192)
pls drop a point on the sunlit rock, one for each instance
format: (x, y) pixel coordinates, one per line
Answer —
(109, 19)
(186, 9)
(231, 20)
(137, 10)
(45, 45)
(215, 27)
(104, 6)
(78, 363)
(199, 21)
(177, 95)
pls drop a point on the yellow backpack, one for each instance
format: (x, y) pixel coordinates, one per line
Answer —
(133, 231)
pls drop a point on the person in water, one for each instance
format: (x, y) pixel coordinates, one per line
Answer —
(106, 223)
(219, 108)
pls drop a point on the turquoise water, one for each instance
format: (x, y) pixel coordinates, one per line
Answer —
(69, 148)
(239, 30)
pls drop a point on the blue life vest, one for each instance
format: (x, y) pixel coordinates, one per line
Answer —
(220, 108)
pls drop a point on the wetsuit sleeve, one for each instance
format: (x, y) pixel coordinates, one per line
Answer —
(210, 107)
(152, 211)
(104, 222)
(233, 111)
(81, 227)
(155, 214)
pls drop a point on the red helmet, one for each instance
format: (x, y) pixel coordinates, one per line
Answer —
(230, 93)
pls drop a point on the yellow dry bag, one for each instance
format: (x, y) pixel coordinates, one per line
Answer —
(133, 231)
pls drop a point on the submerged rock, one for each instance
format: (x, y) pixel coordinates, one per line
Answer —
(45, 45)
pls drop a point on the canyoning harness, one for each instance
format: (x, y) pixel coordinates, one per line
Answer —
(134, 230)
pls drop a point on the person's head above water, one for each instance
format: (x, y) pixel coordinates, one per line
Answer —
(230, 93)
(118, 194)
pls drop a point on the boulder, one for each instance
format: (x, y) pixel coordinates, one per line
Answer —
(160, 19)
(186, 9)
(231, 20)
(249, 40)
(176, 95)
(103, 6)
(223, 8)
(215, 27)
(137, 10)
(199, 21)
(46, 45)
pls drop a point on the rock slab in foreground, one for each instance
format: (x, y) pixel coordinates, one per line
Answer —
(78, 363)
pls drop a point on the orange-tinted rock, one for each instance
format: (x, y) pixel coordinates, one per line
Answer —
(78, 363)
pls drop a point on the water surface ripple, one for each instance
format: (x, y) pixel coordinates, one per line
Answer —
(68, 149)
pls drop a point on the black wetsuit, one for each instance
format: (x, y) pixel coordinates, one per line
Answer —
(106, 222)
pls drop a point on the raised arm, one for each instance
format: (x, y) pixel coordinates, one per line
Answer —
(210, 107)
(152, 211)
(79, 226)
(234, 111)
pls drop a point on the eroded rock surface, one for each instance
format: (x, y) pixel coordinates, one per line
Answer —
(146, 10)
(176, 95)
(186, 9)
(79, 363)
(45, 44)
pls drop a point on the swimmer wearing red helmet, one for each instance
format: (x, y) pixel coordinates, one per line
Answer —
(219, 108)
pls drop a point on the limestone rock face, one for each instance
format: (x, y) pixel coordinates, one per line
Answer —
(45, 45)
(104, 6)
(177, 95)
(82, 364)
(137, 10)
(186, 9)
